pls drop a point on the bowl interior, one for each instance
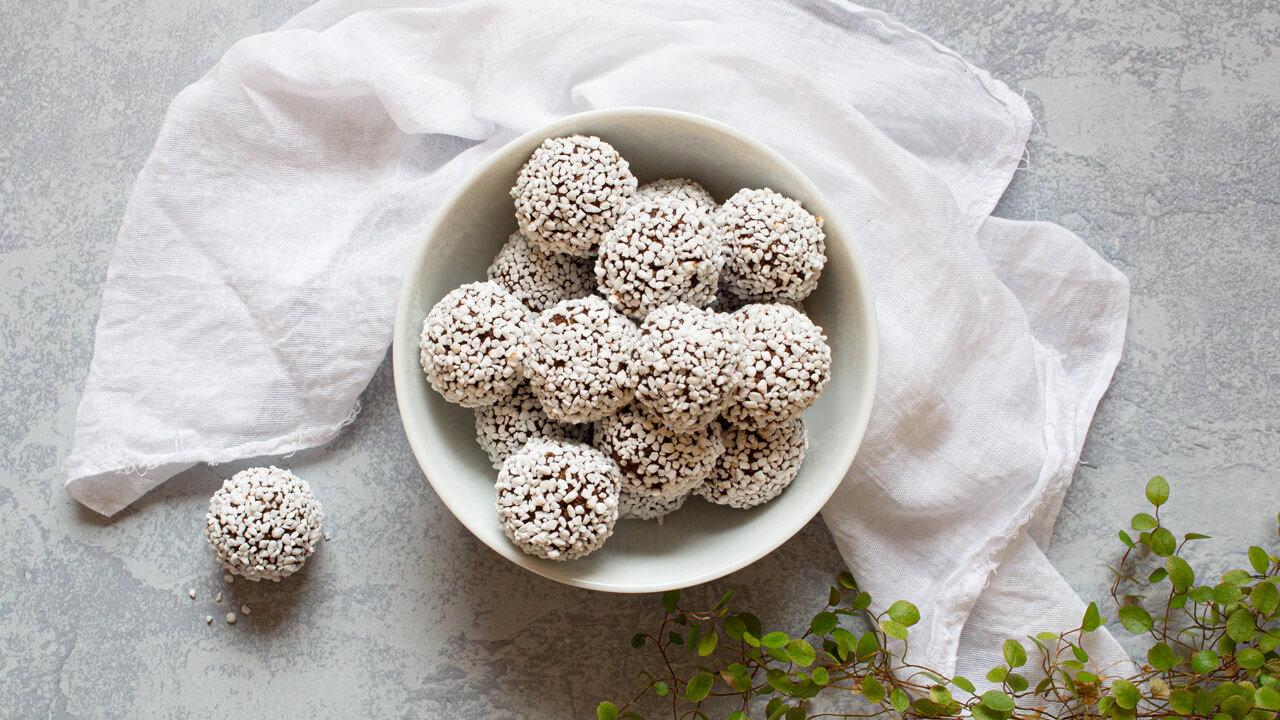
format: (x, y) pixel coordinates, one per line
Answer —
(701, 541)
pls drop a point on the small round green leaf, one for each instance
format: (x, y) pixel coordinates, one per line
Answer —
(963, 683)
(1162, 657)
(1017, 683)
(796, 713)
(1180, 702)
(904, 613)
(1092, 620)
(661, 688)
(1157, 491)
(1163, 543)
(734, 627)
(1205, 662)
(1180, 573)
(820, 676)
(1135, 619)
(1015, 655)
(1236, 707)
(898, 700)
(1157, 575)
(940, 695)
(873, 690)
(670, 599)
(707, 644)
(1226, 593)
(801, 652)
(1125, 693)
(699, 687)
(868, 645)
(1267, 698)
(862, 601)
(893, 629)
(998, 701)
(997, 674)
(1250, 659)
(1128, 541)
(1201, 594)
(847, 581)
(736, 676)
(823, 623)
(1143, 522)
(774, 639)
(1240, 626)
(1236, 577)
(1258, 559)
(637, 640)
(1264, 598)
(606, 711)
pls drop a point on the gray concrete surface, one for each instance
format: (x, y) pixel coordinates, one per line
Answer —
(1157, 142)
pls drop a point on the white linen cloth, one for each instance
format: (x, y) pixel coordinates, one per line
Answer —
(254, 281)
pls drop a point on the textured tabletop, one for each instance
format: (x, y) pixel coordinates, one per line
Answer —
(1157, 142)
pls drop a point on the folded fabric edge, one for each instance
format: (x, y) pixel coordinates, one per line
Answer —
(108, 488)
(970, 582)
(1000, 173)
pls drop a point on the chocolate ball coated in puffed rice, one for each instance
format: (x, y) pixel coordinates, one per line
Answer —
(263, 523)
(787, 364)
(541, 279)
(661, 250)
(654, 459)
(472, 344)
(578, 359)
(681, 188)
(688, 365)
(558, 500)
(647, 507)
(774, 248)
(757, 465)
(570, 192)
(509, 424)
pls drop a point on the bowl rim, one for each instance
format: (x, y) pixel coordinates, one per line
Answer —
(568, 124)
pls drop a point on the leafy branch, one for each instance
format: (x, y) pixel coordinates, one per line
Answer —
(1211, 654)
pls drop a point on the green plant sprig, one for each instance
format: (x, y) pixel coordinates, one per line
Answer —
(1211, 654)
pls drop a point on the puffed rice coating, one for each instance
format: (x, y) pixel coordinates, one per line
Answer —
(541, 279)
(578, 360)
(558, 500)
(647, 507)
(757, 465)
(570, 192)
(263, 523)
(661, 251)
(688, 365)
(472, 344)
(506, 426)
(681, 188)
(654, 459)
(788, 362)
(774, 248)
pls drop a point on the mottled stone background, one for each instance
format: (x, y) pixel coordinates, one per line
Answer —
(1157, 141)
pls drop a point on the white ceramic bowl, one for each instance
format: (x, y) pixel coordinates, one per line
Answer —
(701, 541)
